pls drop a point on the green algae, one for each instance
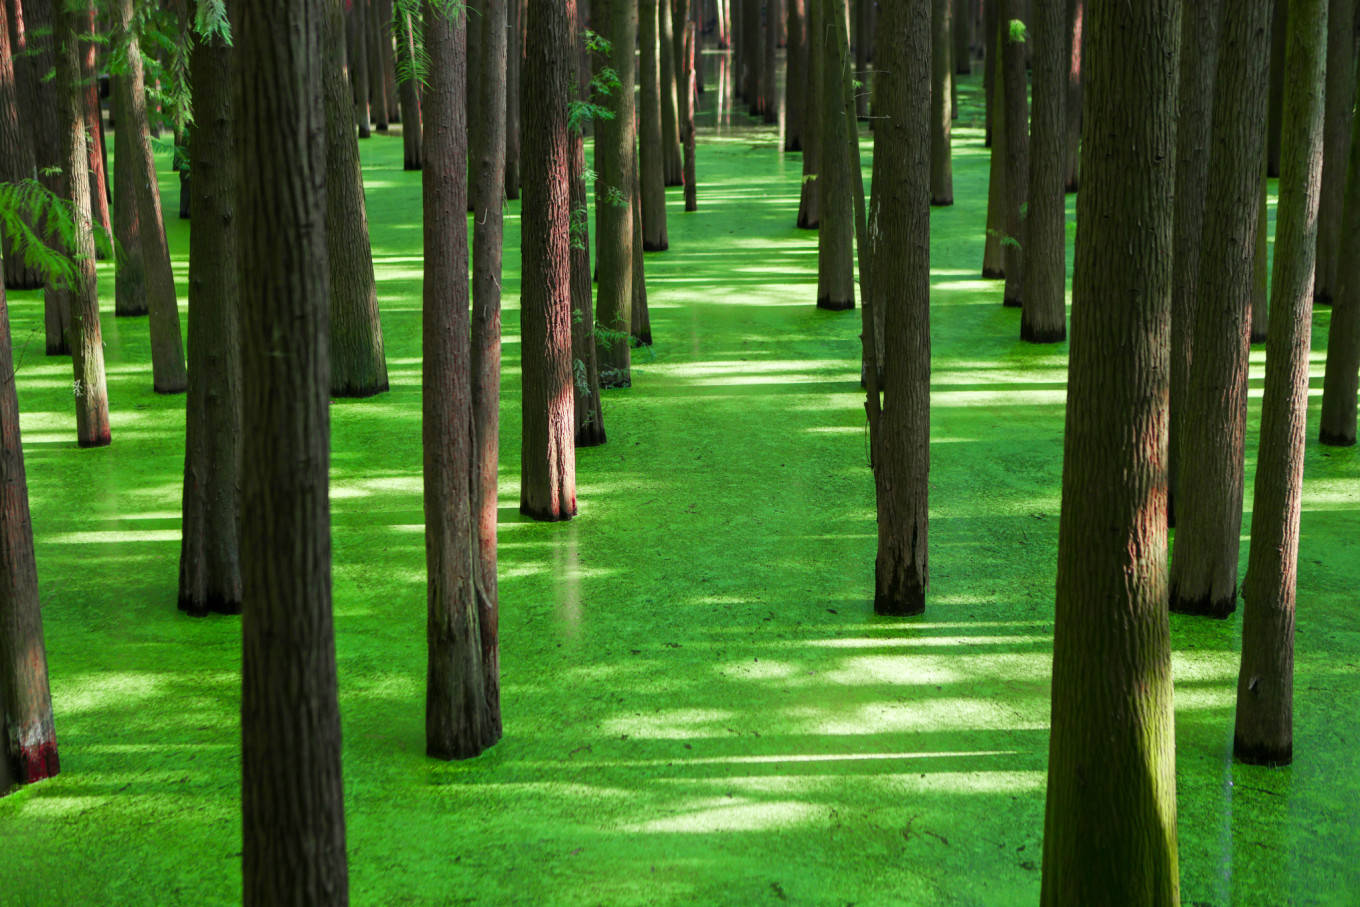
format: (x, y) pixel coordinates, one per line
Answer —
(699, 705)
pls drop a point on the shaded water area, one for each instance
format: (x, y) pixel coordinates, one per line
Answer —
(699, 705)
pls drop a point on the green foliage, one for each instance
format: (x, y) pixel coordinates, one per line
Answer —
(1018, 33)
(39, 225)
(413, 62)
(580, 228)
(614, 197)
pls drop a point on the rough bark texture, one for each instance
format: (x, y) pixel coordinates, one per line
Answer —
(687, 121)
(167, 345)
(1341, 20)
(387, 63)
(1200, 25)
(670, 105)
(1264, 731)
(1076, 12)
(358, 367)
(293, 818)
(486, 138)
(210, 560)
(1016, 145)
(1274, 113)
(810, 201)
(993, 255)
(941, 88)
(961, 37)
(130, 296)
(457, 723)
(1044, 316)
(81, 301)
(901, 291)
(769, 67)
(357, 56)
(1260, 268)
(1343, 335)
(863, 12)
(377, 87)
(94, 121)
(1112, 744)
(28, 739)
(990, 56)
(35, 46)
(650, 150)
(614, 141)
(16, 152)
(408, 92)
(589, 418)
(514, 60)
(548, 450)
(1209, 503)
(641, 324)
(835, 236)
(795, 78)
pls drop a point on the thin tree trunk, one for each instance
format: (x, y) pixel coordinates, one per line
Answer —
(993, 257)
(16, 153)
(1260, 269)
(35, 48)
(795, 78)
(863, 11)
(941, 88)
(357, 38)
(1209, 500)
(589, 413)
(1076, 13)
(167, 346)
(514, 60)
(457, 724)
(614, 142)
(961, 36)
(641, 323)
(210, 560)
(1112, 743)
(650, 151)
(377, 81)
(130, 294)
(28, 739)
(769, 70)
(670, 113)
(1341, 36)
(1279, 27)
(835, 236)
(687, 123)
(293, 820)
(94, 123)
(1264, 731)
(358, 366)
(810, 201)
(991, 19)
(1016, 145)
(1044, 316)
(1343, 334)
(408, 91)
(388, 61)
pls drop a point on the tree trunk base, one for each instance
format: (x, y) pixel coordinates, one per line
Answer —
(131, 311)
(993, 273)
(1322, 297)
(652, 246)
(1205, 606)
(614, 381)
(1032, 334)
(1258, 338)
(835, 305)
(1267, 754)
(590, 436)
(213, 604)
(806, 224)
(1010, 303)
(171, 389)
(674, 182)
(643, 339)
(102, 440)
(1336, 439)
(353, 392)
(546, 516)
(941, 201)
(35, 763)
(409, 165)
(900, 602)
(1072, 187)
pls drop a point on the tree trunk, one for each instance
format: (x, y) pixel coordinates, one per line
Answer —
(864, 13)
(1209, 502)
(1279, 27)
(589, 413)
(486, 135)
(408, 90)
(377, 82)
(961, 37)
(1200, 24)
(293, 820)
(670, 113)
(387, 60)
(687, 124)
(641, 323)
(1016, 145)
(769, 68)
(1112, 744)
(1343, 334)
(357, 55)
(1264, 732)
(28, 739)
(795, 78)
(941, 88)
(16, 153)
(650, 150)
(1076, 12)
(810, 201)
(1044, 316)
(358, 366)
(835, 236)
(1260, 275)
(990, 23)
(514, 59)
(130, 293)
(993, 257)
(901, 291)
(615, 161)
(457, 724)
(548, 452)
(94, 123)
(81, 301)
(1336, 137)
(210, 560)
(167, 346)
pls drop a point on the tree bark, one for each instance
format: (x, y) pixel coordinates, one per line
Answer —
(1209, 502)
(1260, 275)
(687, 123)
(810, 201)
(1112, 744)
(28, 739)
(1341, 18)
(795, 79)
(94, 123)
(1279, 27)
(863, 41)
(1043, 318)
(457, 724)
(670, 113)
(357, 56)
(358, 366)
(993, 253)
(941, 87)
(1200, 24)
(769, 69)
(1264, 732)
(167, 346)
(377, 81)
(16, 153)
(81, 301)
(293, 820)
(408, 92)
(835, 236)
(1077, 46)
(901, 291)
(210, 560)
(990, 56)
(589, 413)
(387, 61)
(1014, 89)
(1343, 334)
(514, 60)
(961, 37)
(650, 151)
(130, 292)
(615, 160)
(641, 322)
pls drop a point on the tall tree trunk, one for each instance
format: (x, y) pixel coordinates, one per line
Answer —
(993, 255)
(1264, 731)
(614, 142)
(167, 346)
(457, 724)
(16, 153)
(486, 136)
(28, 739)
(585, 364)
(1209, 500)
(795, 78)
(1044, 316)
(1076, 13)
(810, 201)
(1016, 145)
(835, 236)
(1200, 24)
(358, 366)
(81, 301)
(408, 91)
(641, 322)
(130, 293)
(991, 18)
(1343, 335)
(670, 105)
(650, 151)
(1341, 18)
(961, 37)
(377, 81)
(941, 88)
(769, 69)
(687, 123)
(210, 560)
(548, 451)
(514, 60)
(1260, 274)
(863, 11)
(94, 122)
(1112, 744)
(1279, 27)
(293, 819)
(901, 291)
(357, 55)
(387, 60)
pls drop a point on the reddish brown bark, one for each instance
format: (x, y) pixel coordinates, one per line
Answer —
(1343, 335)
(1341, 38)
(16, 152)
(589, 413)
(616, 163)
(1044, 316)
(651, 153)
(941, 89)
(835, 235)
(408, 91)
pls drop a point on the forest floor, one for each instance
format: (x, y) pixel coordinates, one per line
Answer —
(700, 706)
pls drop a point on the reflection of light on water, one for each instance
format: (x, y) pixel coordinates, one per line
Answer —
(567, 582)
